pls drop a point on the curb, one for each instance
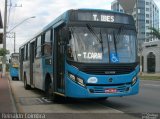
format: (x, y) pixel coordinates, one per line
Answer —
(15, 100)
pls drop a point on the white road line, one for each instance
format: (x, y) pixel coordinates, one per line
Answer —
(154, 85)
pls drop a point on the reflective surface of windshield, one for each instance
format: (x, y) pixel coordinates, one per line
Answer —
(15, 60)
(102, 45)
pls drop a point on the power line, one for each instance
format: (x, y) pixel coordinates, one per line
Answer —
(9, 11)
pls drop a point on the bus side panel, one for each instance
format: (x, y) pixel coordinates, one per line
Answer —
(38, 73)
(26, 70)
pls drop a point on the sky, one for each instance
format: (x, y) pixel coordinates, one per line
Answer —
(44, 11)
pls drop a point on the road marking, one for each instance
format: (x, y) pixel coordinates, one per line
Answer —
(114, 109)
(154, 85)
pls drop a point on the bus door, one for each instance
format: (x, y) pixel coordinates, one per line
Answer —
(59, 63)
(21, 63)
(32, 52)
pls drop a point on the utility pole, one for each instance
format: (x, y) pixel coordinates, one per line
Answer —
(5, 25)
(4, 39)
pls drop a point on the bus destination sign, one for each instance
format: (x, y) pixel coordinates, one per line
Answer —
(103, 17)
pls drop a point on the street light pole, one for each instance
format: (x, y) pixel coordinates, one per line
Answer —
(5, 25)
(14, 35)
(20, 23)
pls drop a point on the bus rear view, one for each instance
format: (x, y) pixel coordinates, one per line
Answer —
(101, 55)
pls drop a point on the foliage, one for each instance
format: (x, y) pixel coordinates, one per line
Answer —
(155, 32)
(3, 52)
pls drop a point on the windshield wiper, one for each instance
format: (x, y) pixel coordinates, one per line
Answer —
(90, 28)
(116, 37)
(115, 43)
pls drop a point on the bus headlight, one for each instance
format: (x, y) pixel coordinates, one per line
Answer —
(71, 76)
(80, 81)
(76, 79)
(134, 80)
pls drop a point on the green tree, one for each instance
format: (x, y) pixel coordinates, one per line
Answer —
(155, 32)
(3, 52)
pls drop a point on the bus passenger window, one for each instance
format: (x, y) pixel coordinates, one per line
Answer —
(38, 49)
(47, 45)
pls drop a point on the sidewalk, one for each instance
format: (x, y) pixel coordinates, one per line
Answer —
(150, 74)
(6, 101)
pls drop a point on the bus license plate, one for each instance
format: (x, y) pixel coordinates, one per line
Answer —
(111, 90)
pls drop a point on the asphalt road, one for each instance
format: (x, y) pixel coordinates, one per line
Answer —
(147, 101)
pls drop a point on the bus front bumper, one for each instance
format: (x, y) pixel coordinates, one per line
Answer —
(77, 91)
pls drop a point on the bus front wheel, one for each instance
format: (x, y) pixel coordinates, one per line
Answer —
(26, 86)
(48, 90)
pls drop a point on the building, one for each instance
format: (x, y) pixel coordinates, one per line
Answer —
(145, 13)
(1, 26)
(151, 57)
(116, 6)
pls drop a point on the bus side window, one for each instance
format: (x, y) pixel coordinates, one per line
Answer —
(35, 53)
(26, 52)
(22, 54)
(38, 48)
(47, 43)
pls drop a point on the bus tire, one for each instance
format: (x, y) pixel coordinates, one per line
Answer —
(48, 88)
(26, 86)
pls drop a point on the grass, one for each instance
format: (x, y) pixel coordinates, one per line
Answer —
(150, 77)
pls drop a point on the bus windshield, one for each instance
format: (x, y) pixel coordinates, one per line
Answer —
(102, 45)
(15, 61)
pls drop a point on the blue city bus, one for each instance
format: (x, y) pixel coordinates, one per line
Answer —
(14, 66)
(84, 53)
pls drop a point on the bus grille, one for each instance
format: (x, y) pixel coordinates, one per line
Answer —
(105, 69)
(108, 70)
